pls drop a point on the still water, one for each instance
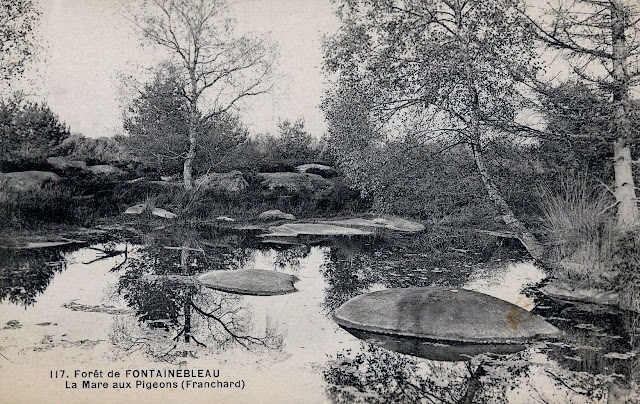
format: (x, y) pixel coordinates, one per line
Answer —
(107, 308)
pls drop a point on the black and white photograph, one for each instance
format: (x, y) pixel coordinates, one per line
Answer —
(320, 201)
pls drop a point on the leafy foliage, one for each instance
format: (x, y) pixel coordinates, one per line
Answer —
(29, 130)
(157, 123)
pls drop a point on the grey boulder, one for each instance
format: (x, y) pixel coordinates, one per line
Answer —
(275, 214)
(250, 282)
(446, 314)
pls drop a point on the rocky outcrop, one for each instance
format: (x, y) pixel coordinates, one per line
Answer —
(105, 169)
(25, 181)
(275, 214)
(231, 182)
(295, 182)
(319, 169)
(445, 314)
(62, 163)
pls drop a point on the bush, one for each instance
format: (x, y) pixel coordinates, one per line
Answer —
(29, 130)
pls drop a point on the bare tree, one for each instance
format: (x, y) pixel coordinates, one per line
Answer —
(220, 68)
(601, 39)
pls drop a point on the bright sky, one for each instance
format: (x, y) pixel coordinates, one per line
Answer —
(88, 44)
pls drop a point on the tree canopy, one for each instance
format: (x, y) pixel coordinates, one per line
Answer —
(29, 130)
(438, 70)
(17, 20)
(157, 123)
(218, 67)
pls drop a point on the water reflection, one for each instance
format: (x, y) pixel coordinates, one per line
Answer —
(180, 314)
(172, 319)
(25, 273)
(376, 375)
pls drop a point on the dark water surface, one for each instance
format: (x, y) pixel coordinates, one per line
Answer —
(107, 307)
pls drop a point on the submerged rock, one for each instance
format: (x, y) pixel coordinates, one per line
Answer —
(390, 222)
(250, 282)
(275, 214)
(313, 229)
(445, 314)
(566, 291)
(25, 181)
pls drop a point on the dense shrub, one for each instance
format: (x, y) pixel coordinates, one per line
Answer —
(29, 130)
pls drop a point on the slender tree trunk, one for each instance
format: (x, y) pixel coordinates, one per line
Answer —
(191, 154)
(625, 192)
(528, 240)
(193, 130)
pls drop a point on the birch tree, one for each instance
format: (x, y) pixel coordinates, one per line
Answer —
(455, 62)
(220, 68)
(601, 41)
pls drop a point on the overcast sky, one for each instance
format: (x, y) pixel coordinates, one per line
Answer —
(87, 44)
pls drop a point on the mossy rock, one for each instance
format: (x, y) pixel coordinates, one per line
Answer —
(445, 314)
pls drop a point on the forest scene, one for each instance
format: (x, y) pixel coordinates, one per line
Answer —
(373, 201)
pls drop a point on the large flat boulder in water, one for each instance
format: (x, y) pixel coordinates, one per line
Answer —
(445, 314)
(313, 229)
(250, 282)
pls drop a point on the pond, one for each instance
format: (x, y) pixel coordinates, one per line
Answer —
(118, 306)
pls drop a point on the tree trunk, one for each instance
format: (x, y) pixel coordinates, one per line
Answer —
(194, 118)
(628, 216)
(528, 240)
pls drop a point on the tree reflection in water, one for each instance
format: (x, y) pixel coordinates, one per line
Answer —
(180, 316)
(26, 273)
(377, 375)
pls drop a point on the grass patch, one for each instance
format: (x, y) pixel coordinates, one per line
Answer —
(585, 246)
